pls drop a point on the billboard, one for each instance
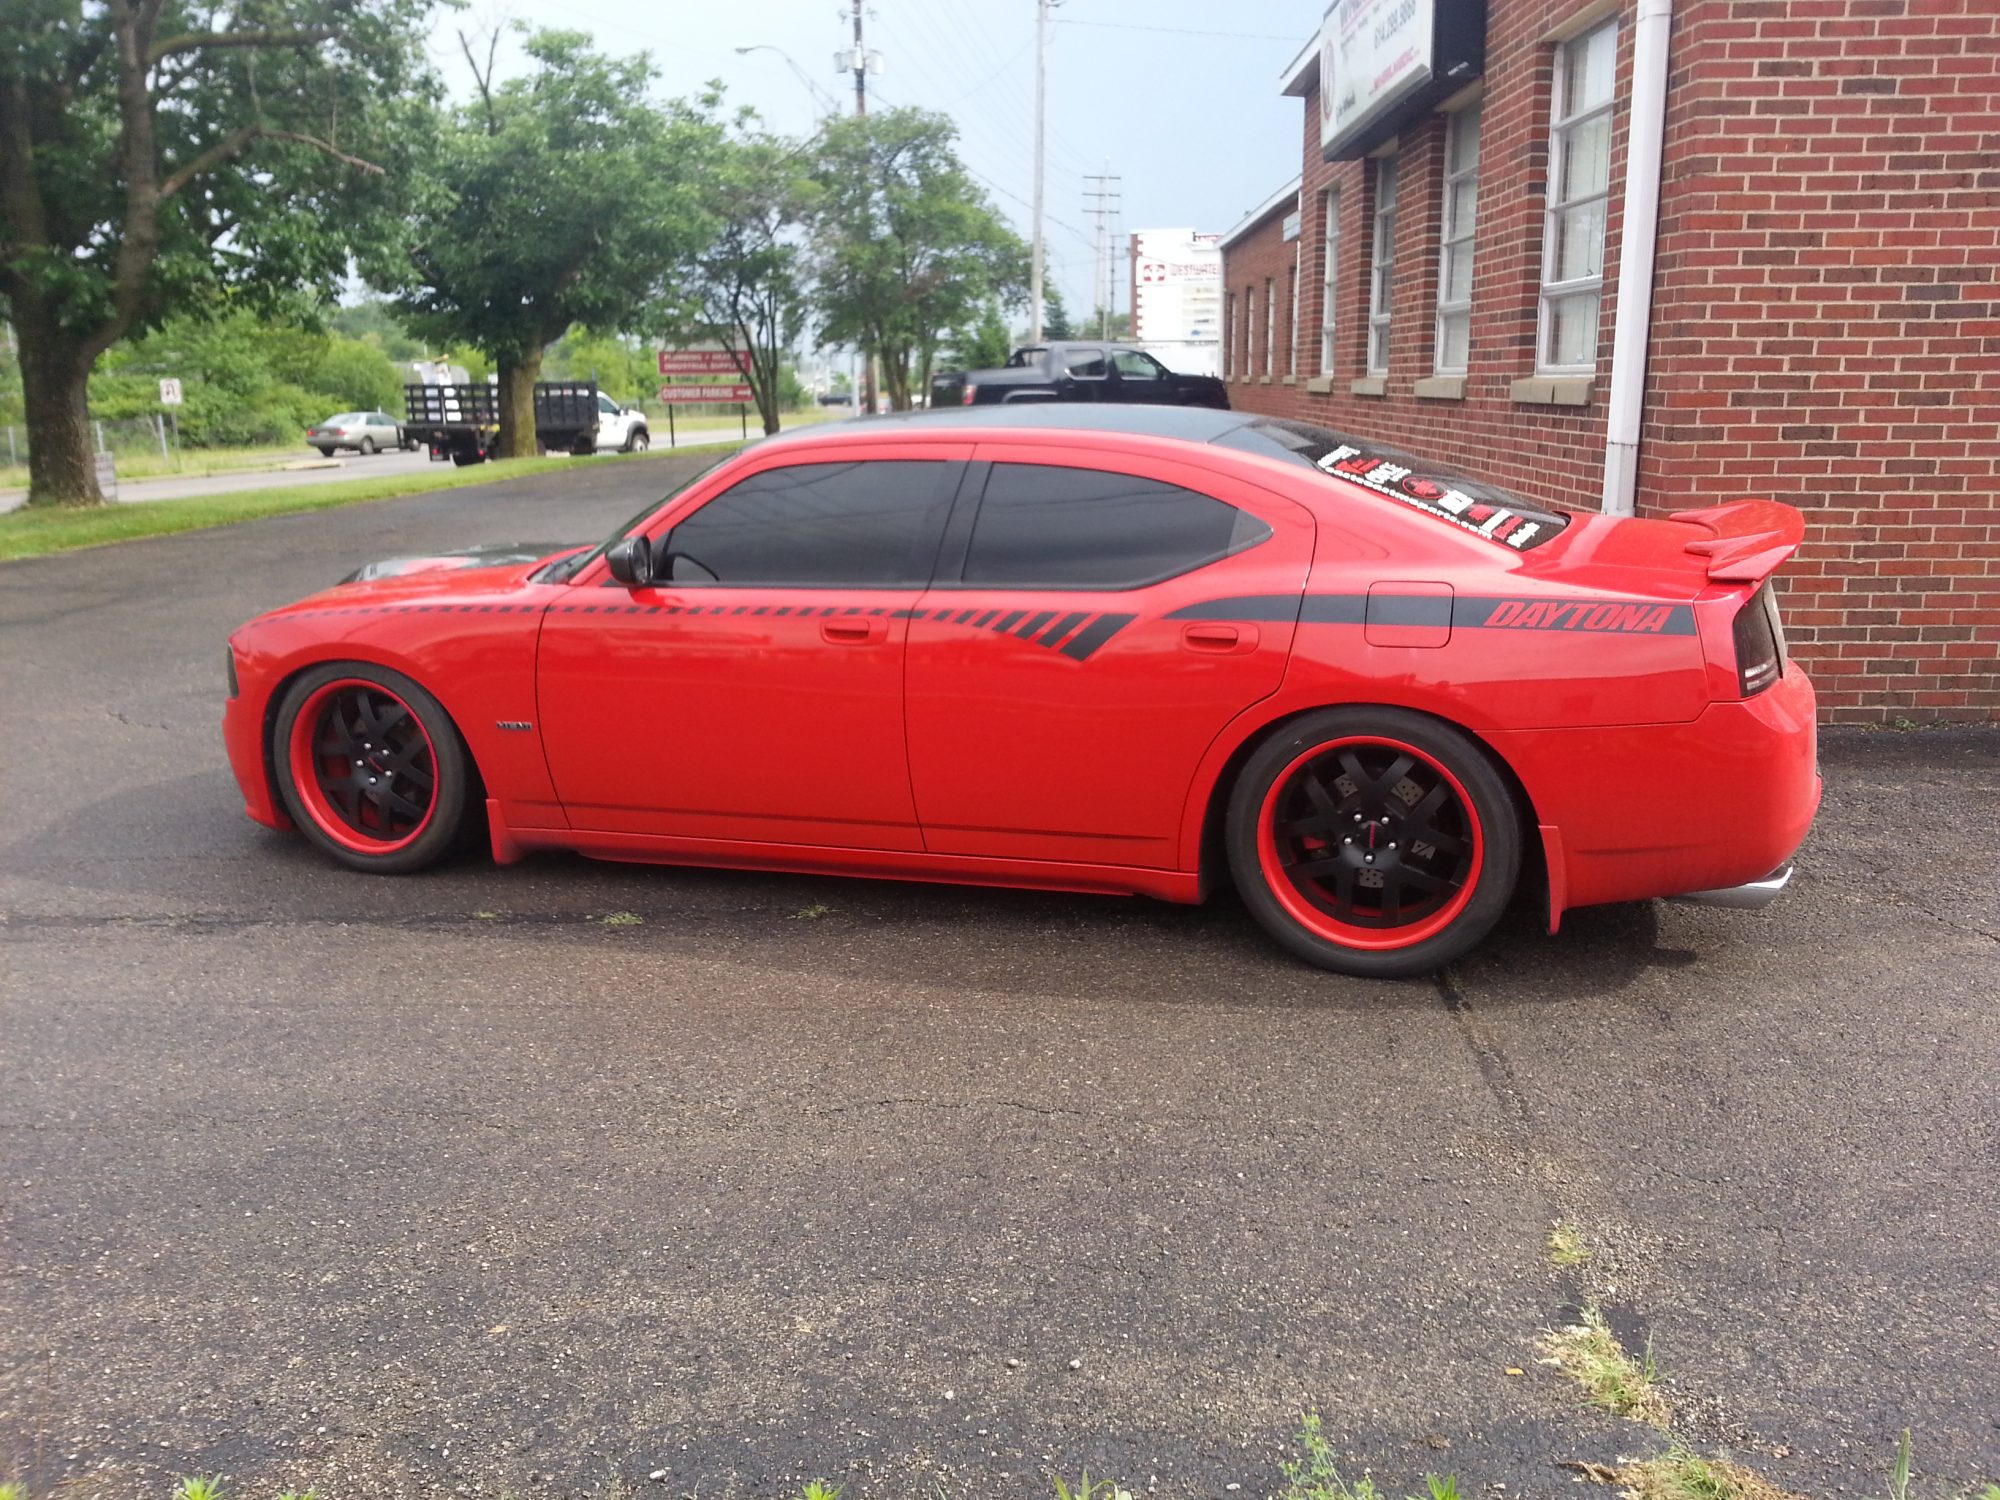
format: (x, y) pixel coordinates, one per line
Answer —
(1383, 61)
(1176, 288)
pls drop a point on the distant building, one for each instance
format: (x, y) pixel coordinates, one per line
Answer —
(1177, 298)
(1656, 254)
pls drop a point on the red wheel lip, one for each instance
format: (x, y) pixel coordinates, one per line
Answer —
(305, 774)
(1346, 934)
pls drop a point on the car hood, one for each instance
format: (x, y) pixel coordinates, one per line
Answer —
(486, 555)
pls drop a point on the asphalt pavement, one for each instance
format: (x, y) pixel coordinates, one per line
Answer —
(550, 1179)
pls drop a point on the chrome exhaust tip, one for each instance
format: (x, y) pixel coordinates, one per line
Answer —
(1754, 896)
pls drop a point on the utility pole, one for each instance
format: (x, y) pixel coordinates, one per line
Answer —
(860, 66)
(1041, 167)
(1100, 199)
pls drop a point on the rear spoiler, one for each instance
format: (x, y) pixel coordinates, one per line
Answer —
(1747, 541)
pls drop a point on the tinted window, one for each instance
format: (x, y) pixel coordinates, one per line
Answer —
(1469, 503)
(1085, 364)
(1135, 366)
(864, 524)
(1086, 529)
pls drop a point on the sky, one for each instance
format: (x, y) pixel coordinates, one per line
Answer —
(1177, 98)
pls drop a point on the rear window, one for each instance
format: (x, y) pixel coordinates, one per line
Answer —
(1468, 503)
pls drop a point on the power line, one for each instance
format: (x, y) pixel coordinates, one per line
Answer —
(1234, 36)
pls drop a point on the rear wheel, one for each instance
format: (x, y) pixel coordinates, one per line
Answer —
(1374, 841)
(367, 446)
(370, 767)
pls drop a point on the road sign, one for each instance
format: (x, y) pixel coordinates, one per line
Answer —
(107, 475)
(703, 395)
(700, 362)
(170, 393)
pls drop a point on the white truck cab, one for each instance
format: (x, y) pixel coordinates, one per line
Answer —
(623, 428)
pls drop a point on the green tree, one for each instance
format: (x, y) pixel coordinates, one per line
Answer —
(983, 346)
(1107, 325)
(746, 290)
(905, 245)
(163, 155)
(1055, 316)
(562, 197)
(373, 320)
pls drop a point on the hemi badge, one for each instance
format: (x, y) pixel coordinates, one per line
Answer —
(518, 725)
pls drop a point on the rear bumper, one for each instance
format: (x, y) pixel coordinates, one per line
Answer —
(1719, 804)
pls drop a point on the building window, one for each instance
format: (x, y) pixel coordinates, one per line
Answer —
(1579, 189)
(1249, 330)
(1381, 256)
(1292, 327)
(1229, 339)
(1270, 326)
(1455, 233)
(1330, 220)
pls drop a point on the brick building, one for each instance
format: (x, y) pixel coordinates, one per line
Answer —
(1822, 259)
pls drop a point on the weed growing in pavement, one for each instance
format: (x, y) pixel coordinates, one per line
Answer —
(1612, 1380)
(1683, 1474)
(1315, 1476)
(819, 1489)
(1566, 1246)
(622, 919)
(12, 1491)
(198, 1487)
(811, 913)
(1087, 1489)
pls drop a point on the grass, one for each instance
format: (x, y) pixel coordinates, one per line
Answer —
(1315, 1476)
(1682, 1474)
(45, 530)
(1566, 1247)
(1612, 1380)
(137, 463)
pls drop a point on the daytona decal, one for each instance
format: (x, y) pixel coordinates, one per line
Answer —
(1584, 616)
(1494, 522)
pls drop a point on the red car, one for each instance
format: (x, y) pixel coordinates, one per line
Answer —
(1134, 649)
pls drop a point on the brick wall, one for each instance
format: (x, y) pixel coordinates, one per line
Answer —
(1826, 320)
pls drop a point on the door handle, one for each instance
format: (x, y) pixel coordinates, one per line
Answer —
(1219, 640)
(851, 631)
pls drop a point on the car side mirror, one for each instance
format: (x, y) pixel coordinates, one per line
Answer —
(630, 560)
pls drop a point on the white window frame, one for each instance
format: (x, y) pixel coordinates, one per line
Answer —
(1381, 265)
(1330, 286)
(1270, 326)
(1292, 330)
(1229, 338)
(1563, 126)
(1455, 239)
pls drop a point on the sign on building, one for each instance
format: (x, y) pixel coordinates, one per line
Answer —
(1381, 62)
(170, 393)
(1177, 297)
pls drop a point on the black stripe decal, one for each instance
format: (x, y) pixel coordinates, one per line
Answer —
(989, 614)
(1242, 607)
(1035, 623)
(1095, 634)
(1061, 628)
(1584, 616)
(1409, 609)
(1008, 621)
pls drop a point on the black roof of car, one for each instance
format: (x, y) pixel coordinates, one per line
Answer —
(1195, 424)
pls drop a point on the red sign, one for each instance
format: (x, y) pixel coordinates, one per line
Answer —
(700, 395)
(700, 362)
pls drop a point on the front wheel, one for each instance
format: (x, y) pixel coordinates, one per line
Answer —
(370, 767)
(1374, 841)
(636, 441)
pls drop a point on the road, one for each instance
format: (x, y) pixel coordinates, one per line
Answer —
(343, 466)
(537, 1180)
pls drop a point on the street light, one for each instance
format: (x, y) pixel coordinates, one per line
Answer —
(819, 94)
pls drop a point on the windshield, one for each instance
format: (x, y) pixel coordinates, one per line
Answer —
(566, 568)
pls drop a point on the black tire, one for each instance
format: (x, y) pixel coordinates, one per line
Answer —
(638, 440)
(318, 696)
(462, 457)
(367, 447)
(1445, 836)
(324, 452)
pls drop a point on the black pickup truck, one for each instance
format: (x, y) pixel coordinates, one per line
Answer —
(459, 422)
(1078, 372)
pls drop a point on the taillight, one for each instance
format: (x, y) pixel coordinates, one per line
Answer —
(966, 398)
(1760, 642)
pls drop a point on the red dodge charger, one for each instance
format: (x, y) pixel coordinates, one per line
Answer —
(1131, 649)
